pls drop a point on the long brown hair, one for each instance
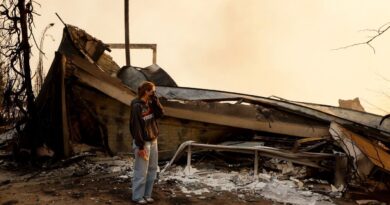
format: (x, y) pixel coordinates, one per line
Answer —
(144, 87)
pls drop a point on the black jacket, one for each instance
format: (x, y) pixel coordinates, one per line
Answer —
(143, 125)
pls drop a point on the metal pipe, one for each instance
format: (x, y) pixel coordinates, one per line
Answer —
(127, 35)
(256, 169)
(178, 152)
(269, 150)
(189, 159)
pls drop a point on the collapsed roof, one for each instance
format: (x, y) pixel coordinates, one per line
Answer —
(86, 96)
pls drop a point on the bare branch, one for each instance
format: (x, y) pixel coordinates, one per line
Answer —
(382, 29)
(370, 30)
(383, 93)
(382, 77)
(355, 44)
(378, 92)
(372, 105)
(384, 25)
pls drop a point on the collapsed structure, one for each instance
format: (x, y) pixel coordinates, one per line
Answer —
(86, 96)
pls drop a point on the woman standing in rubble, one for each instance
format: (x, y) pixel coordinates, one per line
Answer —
(145, 109)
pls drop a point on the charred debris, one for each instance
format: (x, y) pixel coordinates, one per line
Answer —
(84, 105)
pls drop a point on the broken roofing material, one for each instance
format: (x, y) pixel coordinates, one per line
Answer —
(133, 76)
(362, 149)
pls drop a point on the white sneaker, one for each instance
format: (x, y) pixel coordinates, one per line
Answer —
(141, 201)
(149, 199)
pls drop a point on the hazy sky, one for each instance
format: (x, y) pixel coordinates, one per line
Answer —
(261, 47)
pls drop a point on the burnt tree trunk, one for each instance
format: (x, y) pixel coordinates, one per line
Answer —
(26, 50)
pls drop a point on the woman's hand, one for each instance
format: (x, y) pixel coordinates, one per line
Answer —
(153, 97)
(142, 153)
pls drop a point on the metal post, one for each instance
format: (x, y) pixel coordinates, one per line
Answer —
(127, 35)
(136, 46)
(256, 164)
(340, 170)
(189, 159)
(155, 55)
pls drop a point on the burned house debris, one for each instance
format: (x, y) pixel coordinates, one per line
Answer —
(85, 101)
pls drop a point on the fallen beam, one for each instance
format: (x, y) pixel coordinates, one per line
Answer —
(244, 116)
(89, 74)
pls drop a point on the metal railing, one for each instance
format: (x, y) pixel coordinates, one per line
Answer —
(304, 158)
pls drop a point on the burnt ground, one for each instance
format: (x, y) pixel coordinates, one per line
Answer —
(94, 190)
(24, 185)
(99, 181)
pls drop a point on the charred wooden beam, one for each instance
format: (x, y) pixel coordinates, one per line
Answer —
(89, 73)
(243, 116)
(300, 142)
(64, 113)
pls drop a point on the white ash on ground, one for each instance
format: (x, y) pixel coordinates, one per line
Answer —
(200, 181)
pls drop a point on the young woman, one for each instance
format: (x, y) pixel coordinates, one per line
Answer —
(145, 109)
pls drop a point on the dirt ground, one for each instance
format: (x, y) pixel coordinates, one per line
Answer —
(27, 186)
(99, 181)
(93, 190)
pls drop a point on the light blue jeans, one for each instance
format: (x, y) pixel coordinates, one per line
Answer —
(144, 171)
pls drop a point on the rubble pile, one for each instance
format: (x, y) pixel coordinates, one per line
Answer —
(242, 182)
(280, 179)
(87, 165)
